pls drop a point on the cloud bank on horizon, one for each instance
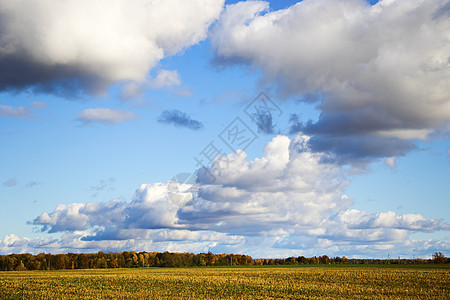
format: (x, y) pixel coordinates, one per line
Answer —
(287, 200)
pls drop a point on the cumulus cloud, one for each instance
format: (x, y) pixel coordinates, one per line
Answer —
(355, 225)
(158, 240)
(179, 119)
(153, 207)
(372, 85)
(300, 191)
(79, 216)
(104, 115)
(288, 200)
(64, 46)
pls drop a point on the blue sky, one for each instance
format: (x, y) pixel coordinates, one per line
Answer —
(343, 144)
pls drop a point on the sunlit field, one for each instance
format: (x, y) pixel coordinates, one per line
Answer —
(289, 282)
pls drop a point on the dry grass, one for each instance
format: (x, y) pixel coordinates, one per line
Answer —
(325, 282)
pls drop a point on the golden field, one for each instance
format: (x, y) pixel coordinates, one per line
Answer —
(278, 282)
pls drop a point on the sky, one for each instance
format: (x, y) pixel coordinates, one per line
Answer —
(271, 129)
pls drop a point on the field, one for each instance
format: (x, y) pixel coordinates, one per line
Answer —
(288, 282)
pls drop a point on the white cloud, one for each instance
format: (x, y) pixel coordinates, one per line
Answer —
(164, 79)
(157, 240)
(12, 240)
(104, 115)
(20, 111)
(151, 208)
(287, 201)
(390, 162)
(287, 189)
(373, 85)
(355, 219)
(70, 44)
(15, 112)
(65, 217)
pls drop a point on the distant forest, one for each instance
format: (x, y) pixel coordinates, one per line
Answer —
(132, 259)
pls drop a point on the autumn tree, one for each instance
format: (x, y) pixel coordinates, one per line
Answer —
(438, 258)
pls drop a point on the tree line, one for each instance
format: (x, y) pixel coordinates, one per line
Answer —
(132, 259)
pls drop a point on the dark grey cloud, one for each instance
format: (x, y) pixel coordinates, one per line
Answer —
(296, 125)
(264, 122)
(354, 122)
(350, 137)
(354, 149)
(19, 72)
(179, 119)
